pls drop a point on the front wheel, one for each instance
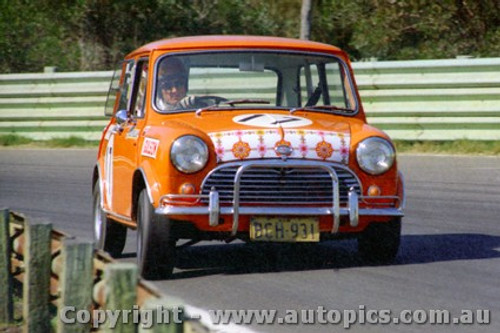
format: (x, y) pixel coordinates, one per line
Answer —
(379, 243)
(108, 235)
(155, 247)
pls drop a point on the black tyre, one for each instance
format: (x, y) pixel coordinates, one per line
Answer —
(379, 243)
(155, 248)
(109, 236)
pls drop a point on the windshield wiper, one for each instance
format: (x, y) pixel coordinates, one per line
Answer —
(232, 102)
(321, 108)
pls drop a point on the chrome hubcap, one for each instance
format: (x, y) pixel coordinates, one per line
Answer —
(98, 225)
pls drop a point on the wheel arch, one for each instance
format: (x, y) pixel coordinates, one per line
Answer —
(139, 183)
(96, 176)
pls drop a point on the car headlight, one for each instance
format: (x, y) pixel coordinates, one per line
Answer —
(189, 154)
(375, 155)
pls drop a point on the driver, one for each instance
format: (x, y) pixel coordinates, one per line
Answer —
(173, 86)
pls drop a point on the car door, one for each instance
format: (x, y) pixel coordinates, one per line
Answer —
(125, 143)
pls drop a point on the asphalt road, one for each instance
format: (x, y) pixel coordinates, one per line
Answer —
(449, 258)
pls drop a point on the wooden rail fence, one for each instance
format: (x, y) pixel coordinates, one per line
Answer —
(63, 275)
(444, 99)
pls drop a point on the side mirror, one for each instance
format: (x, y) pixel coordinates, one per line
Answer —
(121, 117)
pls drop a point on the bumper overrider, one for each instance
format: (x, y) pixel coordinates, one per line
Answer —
(175, 204)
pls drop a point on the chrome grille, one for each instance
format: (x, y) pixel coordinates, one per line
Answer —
(280, 185)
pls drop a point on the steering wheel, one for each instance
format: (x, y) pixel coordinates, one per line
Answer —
(207, 100)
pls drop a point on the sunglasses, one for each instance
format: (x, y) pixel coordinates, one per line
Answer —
(167, 85)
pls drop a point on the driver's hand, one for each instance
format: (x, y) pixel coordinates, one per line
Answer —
(191, 102)
(187, 102)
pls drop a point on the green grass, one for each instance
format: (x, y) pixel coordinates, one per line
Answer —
(458, 147)
(13, 140)
(72, 141)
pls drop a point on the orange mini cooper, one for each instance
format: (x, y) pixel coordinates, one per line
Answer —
(239, 137)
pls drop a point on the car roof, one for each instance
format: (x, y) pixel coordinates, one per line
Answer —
(234, 42)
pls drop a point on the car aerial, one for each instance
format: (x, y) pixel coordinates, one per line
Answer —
(261, 139)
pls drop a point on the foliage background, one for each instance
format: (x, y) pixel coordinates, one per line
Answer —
(79, 35)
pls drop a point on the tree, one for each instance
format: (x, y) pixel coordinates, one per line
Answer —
(305, 19)
(37, 34)
(427, 29)
(96, 34)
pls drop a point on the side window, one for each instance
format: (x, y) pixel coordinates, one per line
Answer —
(139, 96)
(119, 89)
(335, 75)
(326, 84)
(349, 90)
(310, 86)
(126, 90)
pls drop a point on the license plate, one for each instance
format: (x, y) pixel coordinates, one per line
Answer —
(282, 229)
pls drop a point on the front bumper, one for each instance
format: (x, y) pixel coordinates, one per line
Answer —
(170, 204)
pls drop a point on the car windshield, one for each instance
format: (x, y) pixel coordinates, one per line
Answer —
(259, 79)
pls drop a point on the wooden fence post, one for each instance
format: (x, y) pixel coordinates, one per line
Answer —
(36, 285)
(6, 301)
(75, 283)
(121, 294)
(162, 315)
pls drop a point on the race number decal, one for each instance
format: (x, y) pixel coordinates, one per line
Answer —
(150, 147)
(271, 120)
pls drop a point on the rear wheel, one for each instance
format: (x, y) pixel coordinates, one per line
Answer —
(379, 243)
(108, 235)
(155, 248)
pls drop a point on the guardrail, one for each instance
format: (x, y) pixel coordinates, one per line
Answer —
(48, 105)
(433, 99)
(63, 275)
(411, 100)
